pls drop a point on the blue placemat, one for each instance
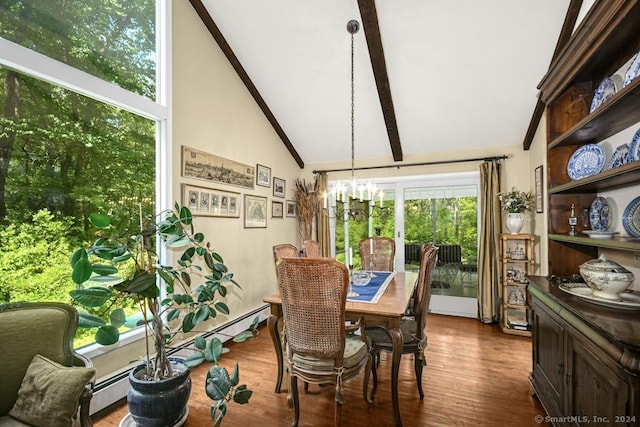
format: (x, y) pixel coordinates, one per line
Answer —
(374, 289)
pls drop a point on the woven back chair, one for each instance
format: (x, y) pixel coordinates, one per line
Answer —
(384, 252)
(414, 339)
(284, 250)
(319, 349)
(311, 249)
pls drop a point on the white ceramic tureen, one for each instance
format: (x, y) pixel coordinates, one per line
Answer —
(606, 278)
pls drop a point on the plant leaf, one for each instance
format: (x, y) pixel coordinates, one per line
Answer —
(213, 351)
(242, 395)
(218, 383)
(222, 307)
(91, 297)
(107, 335)
(117, 317)
(187, 322)
(195, 359)
(82, 270)
(235, 375)
(173, 315)
(200, 343)
(88, 320)
(201, 315)
(142, 283)
(78, 255)
(104, 269)
(243, 336)
(185, 215)
(99, 220)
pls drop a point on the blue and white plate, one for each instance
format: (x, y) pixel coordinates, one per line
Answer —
(599, 214)
(585, 161)
(631, 218)
(620, 157)
(633, 71)
(606, 89)
(634, 147)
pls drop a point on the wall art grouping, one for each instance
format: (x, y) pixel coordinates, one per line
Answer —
(209, 167)
(211, 202)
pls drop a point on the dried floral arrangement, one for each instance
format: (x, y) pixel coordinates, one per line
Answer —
(306, 197)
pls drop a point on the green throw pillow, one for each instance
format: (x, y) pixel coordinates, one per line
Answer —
(50, 392)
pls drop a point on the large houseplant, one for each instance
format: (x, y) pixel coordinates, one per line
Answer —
(119, 266)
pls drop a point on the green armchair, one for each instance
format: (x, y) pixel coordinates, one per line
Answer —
(44, 381)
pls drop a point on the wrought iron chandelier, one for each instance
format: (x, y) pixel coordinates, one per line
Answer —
(353, 199)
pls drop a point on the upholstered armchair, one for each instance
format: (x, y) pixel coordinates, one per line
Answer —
(44, 381)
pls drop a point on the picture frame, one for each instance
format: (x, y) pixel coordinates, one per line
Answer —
(539, 176)
(255, 211)
(263, 176)
(204, 201)
(291, 208)
(277, 209)
(209, 167)
(279, 186)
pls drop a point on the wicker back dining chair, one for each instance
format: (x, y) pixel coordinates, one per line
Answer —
(384, 252)
(284, 250)
(320, 347)
(311, 249)
(414, 339)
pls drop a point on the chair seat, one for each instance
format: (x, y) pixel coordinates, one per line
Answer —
(354, 351)
(8, 421)
(380, 336)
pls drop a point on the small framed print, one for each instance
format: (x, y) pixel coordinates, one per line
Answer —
(539, 190)
(291, 208)
(276, 209)
(279, 187)
(255, 211)
(211, 202)
(263, 176)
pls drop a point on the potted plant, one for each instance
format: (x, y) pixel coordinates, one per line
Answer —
(119, 266)
(515, 203)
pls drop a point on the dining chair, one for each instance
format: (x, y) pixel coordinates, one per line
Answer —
(414, 339)
(384, 252)
(320, 347)
(283, 250)
(311, 249)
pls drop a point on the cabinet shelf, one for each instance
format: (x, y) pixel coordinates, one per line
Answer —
(620, 243)
(613, 178)
(514, 283)
(618, 113)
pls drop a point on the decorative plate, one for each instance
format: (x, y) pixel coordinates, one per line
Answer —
(599, 214)
(633, 71)
(605, 90)
(620, 157)
(631, 218)
(585, 161)
(600, 234)
(634, 147)
(629, 300)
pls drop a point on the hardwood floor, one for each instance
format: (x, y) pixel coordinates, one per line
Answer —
(476, 376)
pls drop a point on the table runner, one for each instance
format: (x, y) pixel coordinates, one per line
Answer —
(372, 292)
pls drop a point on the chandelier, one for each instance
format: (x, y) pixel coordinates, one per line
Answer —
(354, 199)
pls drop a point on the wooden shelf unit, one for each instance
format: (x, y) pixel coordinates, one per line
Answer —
(518, 262)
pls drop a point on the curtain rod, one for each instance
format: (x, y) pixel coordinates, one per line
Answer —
(440, 162)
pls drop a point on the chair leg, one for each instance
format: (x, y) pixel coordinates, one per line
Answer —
(369, 368)
(338, 414)
(374, 371)
(293, 399)
(417, 365)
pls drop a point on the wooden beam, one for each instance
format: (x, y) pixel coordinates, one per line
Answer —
(379, 65)
(237, 66)
(565, 34)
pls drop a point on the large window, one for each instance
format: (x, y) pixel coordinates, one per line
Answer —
(80, 131)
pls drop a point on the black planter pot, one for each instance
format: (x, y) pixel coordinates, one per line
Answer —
(159, 403)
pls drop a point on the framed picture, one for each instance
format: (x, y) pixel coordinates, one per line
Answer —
(211, 202)
(279, 187)
(276, 209)
(209, 167)
(255, 211)
(263, 176)
(539, 190)
(291, 208)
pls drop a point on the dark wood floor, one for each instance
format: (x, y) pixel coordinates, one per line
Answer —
(476, 376)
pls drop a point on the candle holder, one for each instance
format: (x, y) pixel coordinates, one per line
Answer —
(573, 220)
(351, 293)
(371, 274)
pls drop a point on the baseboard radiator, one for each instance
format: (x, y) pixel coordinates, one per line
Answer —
(114, 389)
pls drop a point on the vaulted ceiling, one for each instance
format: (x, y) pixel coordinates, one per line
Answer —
(430, 75)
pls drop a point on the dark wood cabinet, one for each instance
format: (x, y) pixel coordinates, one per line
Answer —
(586, 359)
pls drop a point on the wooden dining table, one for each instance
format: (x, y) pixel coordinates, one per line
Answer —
(386, 312)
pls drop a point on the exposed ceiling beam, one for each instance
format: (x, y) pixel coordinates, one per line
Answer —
(237, 66)
(565, 34)
(379, 65)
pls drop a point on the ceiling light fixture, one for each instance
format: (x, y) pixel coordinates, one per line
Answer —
(354, 200)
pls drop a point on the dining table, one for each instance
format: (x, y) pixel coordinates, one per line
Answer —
(386, 310)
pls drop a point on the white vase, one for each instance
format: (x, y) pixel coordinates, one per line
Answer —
(514, 222)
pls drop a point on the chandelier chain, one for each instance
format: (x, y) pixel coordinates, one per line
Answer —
(353, 149)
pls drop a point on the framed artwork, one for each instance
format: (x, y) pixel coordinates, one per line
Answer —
(263, 176)
(209, 167)
(539, 190)
(291, 208)
(279, 187)
(276, 209)
(211, 202)
(255, 211)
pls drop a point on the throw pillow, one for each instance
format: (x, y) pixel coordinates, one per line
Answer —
(50, 392)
